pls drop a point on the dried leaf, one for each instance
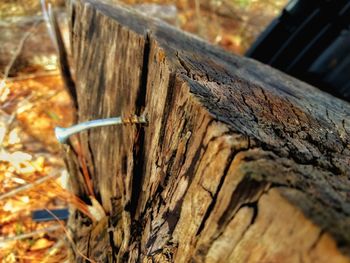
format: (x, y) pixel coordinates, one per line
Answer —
(41, 243)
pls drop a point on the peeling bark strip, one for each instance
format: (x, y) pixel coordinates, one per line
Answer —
(239, 162)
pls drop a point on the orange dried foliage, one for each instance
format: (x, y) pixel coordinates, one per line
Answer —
(29, 152)
(231, 24)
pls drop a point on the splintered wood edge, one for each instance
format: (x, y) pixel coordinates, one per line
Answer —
(253, 224)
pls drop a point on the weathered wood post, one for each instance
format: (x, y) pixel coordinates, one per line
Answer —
(238, 163)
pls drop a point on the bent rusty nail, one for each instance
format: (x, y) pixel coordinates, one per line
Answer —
(62, 134)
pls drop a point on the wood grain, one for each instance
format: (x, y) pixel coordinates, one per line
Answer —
(239, 162)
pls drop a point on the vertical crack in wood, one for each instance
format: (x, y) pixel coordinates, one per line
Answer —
(138, 149)
(168, 100)
(111, 240)
(213, 202)
(92, 170)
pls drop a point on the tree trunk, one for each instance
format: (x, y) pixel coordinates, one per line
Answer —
(238, 162)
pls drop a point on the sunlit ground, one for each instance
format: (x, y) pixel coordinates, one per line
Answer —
(33, 101)
(30, 108)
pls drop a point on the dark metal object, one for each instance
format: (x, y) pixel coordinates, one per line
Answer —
(307, 38)
(44, 215)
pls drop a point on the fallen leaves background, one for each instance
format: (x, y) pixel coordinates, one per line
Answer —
(33, 101)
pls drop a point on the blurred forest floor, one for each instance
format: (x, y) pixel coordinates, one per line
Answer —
(33, 101)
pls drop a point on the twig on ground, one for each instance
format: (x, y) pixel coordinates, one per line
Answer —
(73, 200)
(53, 250)
(12, 61)
(30, 234)
(34, 75)
(17, 52)
(75, 248)
(29, 186)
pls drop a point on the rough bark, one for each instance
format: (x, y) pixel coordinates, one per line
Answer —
(239, 162)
